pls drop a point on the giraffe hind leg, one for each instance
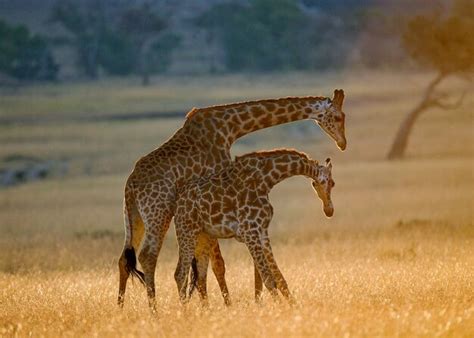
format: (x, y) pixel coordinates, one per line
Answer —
(258, 284)
(156, 226)
(123, 277)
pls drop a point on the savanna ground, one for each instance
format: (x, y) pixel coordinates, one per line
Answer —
(397, 258)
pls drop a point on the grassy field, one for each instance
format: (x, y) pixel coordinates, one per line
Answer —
(397, 258)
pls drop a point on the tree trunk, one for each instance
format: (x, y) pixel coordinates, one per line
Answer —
(400, 143)
(145, 78)
(143, 61)
(401, 139)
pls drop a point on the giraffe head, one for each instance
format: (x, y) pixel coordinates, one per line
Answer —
(331, 118)
(322, 184)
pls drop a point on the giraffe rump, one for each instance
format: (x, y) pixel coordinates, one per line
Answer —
(131, 264)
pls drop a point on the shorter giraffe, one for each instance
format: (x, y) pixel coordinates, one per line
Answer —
(235, 203)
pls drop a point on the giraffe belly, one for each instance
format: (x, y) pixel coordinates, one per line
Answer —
(220, 231)
(225, 229)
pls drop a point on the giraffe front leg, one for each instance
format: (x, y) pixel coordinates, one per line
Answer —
(258, 284)
(252, 240)
(218, 267)
(270, 259)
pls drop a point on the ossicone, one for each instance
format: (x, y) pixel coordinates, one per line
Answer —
(338, 98)
(328, 163)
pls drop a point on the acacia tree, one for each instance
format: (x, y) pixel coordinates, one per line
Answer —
(442, 43)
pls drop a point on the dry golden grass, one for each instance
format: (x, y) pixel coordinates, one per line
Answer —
(342, 287)
(397, 259)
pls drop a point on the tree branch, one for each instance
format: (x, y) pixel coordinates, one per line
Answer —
(431, 87)
(444, 105)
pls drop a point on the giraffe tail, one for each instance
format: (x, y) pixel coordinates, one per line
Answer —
(194, 277)
(129, 256)
(131, 264)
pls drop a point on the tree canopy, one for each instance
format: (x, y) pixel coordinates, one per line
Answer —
(119, 39)
(443, 42)
(25, 56)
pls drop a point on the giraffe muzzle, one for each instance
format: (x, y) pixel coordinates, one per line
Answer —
(329, 210)
(342, 144)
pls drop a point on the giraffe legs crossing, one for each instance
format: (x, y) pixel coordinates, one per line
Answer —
(208, 249)
(207, 245)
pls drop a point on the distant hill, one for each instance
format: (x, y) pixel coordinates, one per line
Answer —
(196, 54)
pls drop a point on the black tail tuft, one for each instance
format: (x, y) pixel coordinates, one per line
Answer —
(194, 277)
(131, 265)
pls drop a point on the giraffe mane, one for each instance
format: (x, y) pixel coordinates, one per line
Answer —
(274, 152)
(195, 110)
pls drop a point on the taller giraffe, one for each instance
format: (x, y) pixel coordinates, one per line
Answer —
(199, 148)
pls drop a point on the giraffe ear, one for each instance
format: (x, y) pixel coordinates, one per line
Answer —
(328, 163)
(338, 98)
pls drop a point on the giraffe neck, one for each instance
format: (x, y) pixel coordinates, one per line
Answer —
(236, 120)
(272, 167)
